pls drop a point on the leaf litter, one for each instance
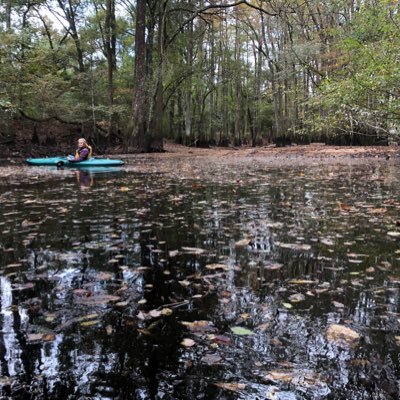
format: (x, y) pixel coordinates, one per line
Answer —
(228, 260)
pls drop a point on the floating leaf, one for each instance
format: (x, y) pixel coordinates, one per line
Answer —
(155, 313)
(34, 337)
(198, 326)
(211, 359)
(238, 330)
(24, 286)
(297, 297)
(337, 304)
(109, 330)
(98, 300)
(393, 234)
(90, 323)
(242, 243)
(221, 339)
(48, 337)
(294, 246)
(193, 250)
(301, 282)
(328, 242)
(273, 266)
(234, 387)
(217, 266)
(188, 342)
(342, 334)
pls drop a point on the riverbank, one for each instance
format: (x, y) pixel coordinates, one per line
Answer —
(302, 155)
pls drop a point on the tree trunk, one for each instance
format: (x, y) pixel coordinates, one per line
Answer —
(140, 104)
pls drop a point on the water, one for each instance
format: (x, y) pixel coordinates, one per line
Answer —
(133, 284)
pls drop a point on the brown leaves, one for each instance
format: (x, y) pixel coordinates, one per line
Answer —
(341, 334)
(97, 300)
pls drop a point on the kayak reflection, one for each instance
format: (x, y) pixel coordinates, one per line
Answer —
(84, 179)
(85, 176)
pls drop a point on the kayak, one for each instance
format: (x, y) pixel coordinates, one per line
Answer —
(63, 162)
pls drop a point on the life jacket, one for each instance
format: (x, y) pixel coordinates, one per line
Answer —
(77, 155)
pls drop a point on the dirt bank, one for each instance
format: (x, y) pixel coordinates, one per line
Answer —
(313, 154)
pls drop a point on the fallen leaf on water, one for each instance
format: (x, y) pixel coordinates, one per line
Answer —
(155, 313)
(193, 250)
(217, 266)
(109, 330)
(297, 297)
(238, 330)
(48, 337)
(50, 317)
(234, 387)
(393, 234)
(337, 304)
(344, 207)
(198, 326)
(144, 332)
(34, 337)
(285, 376)
(380, 210)
(211, 359)
(97, 300)
(301, 282)
(342, 335)
(90, 323)
(328, 242)
(23, 286)
(166, 311)
(188, 342)
(242, 243)
(220, 339)
(103, 276)
(273, 266)
(294, 246)
(302, 378)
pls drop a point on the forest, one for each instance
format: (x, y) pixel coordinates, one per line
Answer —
(203, 72)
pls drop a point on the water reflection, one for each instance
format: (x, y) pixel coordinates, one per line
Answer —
(98, 292)
(84, 179)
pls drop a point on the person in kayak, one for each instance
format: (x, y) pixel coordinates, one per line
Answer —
(83, 152)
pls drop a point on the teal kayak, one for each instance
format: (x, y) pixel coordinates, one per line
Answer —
(63, 162)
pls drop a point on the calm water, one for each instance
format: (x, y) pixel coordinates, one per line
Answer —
(133, 285)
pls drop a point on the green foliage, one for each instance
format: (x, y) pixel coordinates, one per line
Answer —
(363, 95)
(322, 69)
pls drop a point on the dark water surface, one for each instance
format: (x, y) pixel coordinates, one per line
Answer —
(134, 285)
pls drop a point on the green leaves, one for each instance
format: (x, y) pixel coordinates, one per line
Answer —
(238, 330)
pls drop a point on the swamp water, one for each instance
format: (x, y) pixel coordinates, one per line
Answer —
(201, 282)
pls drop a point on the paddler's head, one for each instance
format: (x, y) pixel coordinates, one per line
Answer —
(82, 143)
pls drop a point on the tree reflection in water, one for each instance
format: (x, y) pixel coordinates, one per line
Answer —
(99, 288)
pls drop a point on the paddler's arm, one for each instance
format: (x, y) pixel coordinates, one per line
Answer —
(82, 156)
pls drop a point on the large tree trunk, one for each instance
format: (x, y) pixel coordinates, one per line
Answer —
(110, 47)
(140, 104)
